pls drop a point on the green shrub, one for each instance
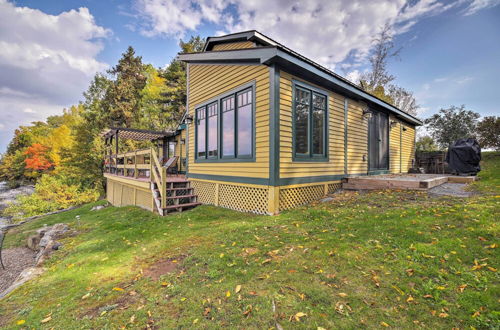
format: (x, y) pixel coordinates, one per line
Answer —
(51, 193)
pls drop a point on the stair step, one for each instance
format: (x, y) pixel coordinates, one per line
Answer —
(181, 196)
(181, 188)
(170, 207)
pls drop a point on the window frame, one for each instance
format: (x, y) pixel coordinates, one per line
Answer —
(309, 156)
(219, 98)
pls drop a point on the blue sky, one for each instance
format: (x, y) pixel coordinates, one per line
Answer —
(51, 49)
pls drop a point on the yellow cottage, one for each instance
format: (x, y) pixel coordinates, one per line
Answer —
(267, 129)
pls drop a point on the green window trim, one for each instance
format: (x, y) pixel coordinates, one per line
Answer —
(221, 158)
(310, 156)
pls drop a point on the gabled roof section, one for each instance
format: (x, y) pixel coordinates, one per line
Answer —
(269, 52)
(252, 35)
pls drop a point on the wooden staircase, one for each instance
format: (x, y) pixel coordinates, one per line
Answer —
(170, 193)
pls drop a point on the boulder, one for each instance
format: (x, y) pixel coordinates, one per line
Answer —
(34, 242)
(44, 241)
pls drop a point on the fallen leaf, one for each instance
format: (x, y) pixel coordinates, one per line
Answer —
(384, 324)
(342, 294)
(228, 294)
(118, 289)
(443, 315)
(86, 296)
(195, 321)
(238, 288)
(266, 261)
(132, 319)
(47, 319)
(298, 316)
(20, 322)
(410, 299)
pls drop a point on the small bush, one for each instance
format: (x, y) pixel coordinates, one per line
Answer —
(51, 194)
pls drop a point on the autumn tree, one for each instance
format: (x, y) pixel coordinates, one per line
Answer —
(488, 130)
(37, 158)
(449, 125)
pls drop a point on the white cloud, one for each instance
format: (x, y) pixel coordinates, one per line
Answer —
(46, 61)
(328, 32)
(477, 5)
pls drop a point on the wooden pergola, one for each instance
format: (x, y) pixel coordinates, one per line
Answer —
(118, 133)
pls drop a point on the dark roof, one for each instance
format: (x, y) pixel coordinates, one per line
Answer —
(135, 134)
(271, 52)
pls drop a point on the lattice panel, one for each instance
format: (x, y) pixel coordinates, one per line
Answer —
(333, 187)
(291, 197)
(241, 198)
(205, 191)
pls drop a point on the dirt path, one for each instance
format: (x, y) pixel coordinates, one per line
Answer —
(15, 261)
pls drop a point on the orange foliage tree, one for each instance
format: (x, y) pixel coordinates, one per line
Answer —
(37, 157)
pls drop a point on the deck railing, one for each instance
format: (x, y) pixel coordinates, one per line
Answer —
(139, 164)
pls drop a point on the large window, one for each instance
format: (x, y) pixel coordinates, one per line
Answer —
(229, 130)
(309, 123)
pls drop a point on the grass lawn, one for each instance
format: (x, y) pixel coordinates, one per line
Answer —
(381, 259)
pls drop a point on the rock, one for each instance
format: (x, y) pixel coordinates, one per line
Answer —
(33, 242)
(25, 276)
(326, 199)
(45, 240)
(43, 230)
(97, 208)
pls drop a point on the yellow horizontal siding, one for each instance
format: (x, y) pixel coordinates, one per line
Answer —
(395, 146)
(407, 148)
(209, 81)
(357, 139)
(234, 45)
(290, 168)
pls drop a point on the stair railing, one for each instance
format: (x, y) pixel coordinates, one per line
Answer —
(159, 175)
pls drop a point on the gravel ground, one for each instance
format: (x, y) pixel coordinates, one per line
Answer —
(15, 261)
(451, 189)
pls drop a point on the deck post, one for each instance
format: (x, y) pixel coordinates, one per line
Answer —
(151, 164)
(163, 187)
(135, 164)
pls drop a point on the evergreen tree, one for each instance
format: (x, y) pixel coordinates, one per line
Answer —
(124, 94)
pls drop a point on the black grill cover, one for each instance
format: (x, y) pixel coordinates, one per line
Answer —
(463, 157)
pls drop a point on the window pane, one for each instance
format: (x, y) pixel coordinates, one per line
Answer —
(318, 131)
(212, 130)
(301, 121)
(200, 132)
(318, 124)
(228, 127)
(245, 123)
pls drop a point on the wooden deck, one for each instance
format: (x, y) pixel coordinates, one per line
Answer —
(402, 181)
